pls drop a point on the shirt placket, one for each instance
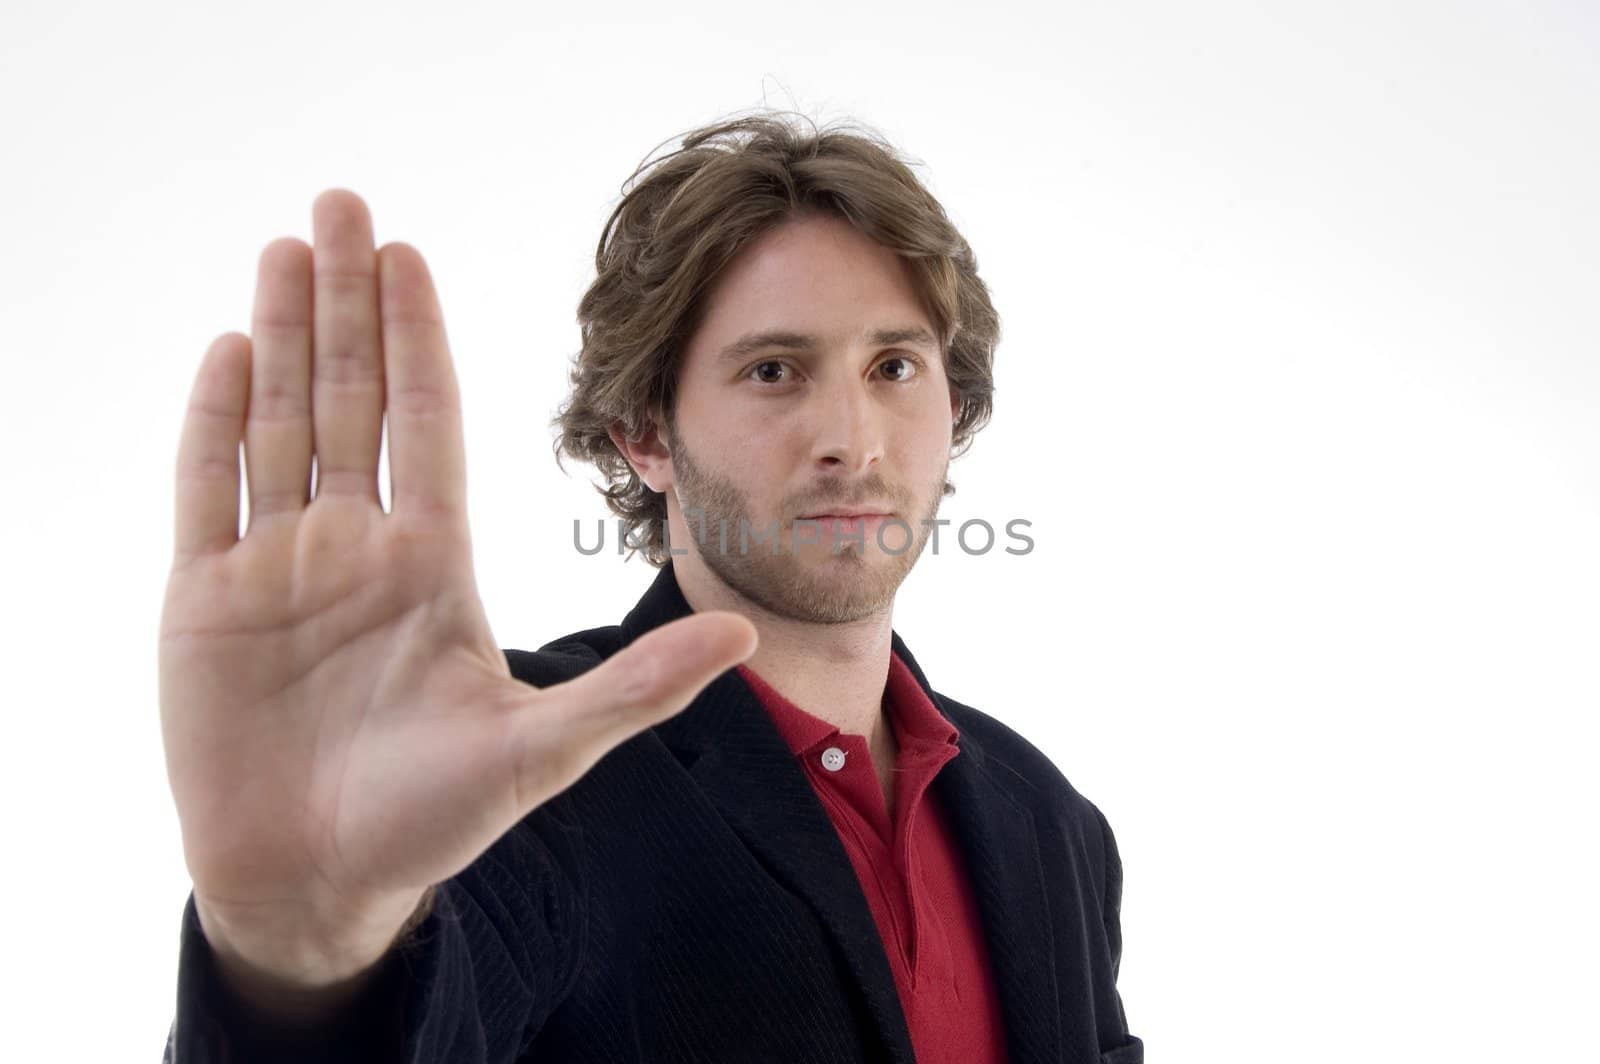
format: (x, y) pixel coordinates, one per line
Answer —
(843, 769)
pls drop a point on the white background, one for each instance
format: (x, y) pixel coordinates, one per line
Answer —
(1298, 387)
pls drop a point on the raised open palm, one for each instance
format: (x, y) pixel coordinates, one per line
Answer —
(340, 725)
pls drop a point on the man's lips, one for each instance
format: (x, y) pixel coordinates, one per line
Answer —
(864, 524)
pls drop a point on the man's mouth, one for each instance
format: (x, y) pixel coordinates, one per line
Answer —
(848, 524)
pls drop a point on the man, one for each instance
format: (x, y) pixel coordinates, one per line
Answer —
(740, 825)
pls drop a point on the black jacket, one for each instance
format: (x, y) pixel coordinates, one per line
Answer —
(688, 899)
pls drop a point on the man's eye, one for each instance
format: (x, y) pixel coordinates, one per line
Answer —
(908, 367)
(759, 366)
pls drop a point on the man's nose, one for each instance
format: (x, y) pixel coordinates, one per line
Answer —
(849, 433)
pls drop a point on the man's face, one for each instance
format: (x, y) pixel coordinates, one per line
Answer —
(859, 418)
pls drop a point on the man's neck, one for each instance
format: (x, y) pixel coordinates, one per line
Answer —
(833, 671)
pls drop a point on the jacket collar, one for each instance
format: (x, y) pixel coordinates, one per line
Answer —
(737, 756)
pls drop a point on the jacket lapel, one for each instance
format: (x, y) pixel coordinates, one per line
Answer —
(998, 835)
(741, 763)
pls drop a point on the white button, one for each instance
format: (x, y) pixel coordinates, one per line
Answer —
(833, 759)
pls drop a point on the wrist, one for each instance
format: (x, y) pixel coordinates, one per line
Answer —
(293, 969)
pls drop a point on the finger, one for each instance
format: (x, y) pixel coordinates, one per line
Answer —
(208, 451)
(347, 352)
(277, 432)
(563, 730)
(427, 455)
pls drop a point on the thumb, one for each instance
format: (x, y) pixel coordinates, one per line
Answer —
(578, 722)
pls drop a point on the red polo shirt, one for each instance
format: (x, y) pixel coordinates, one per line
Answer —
(911, 870)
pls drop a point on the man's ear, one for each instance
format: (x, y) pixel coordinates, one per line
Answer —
(646, 453)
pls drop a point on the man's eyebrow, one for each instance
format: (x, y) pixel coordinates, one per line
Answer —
(787, 339)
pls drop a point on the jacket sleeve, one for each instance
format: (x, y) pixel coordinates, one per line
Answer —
(471, 984)
(1128, 1049)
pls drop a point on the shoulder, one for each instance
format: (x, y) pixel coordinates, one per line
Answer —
(1011, 756)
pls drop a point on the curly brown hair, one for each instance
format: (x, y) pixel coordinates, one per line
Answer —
(686, 216)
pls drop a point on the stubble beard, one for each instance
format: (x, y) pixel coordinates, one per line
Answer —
(821, 585)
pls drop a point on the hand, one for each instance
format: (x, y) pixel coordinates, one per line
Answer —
(341, 727)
